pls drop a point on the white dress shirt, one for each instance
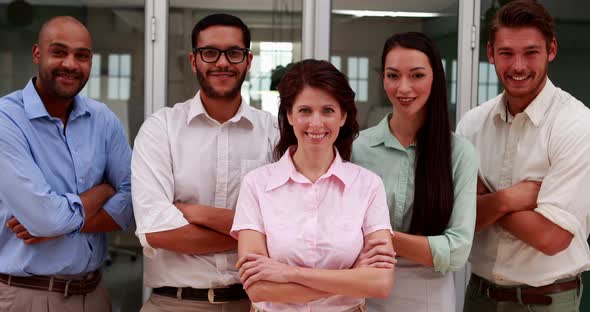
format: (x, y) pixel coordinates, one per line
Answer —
(548, 142)
(182, 154)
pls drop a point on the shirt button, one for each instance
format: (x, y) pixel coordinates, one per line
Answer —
(81, 180)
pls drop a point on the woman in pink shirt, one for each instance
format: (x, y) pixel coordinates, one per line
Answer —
(303, 221)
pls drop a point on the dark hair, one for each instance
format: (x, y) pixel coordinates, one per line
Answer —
(523, 13)
(224, 20)
(433, 196)
(323, 76)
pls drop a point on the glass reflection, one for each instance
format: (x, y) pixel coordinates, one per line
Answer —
(359, 30)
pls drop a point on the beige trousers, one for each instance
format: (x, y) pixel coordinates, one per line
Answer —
(158, 303)
(17, 299)
(359, 308)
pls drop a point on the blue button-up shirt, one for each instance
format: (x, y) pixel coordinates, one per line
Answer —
(44, 169)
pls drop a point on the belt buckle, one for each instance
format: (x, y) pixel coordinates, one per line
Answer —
(211, 297)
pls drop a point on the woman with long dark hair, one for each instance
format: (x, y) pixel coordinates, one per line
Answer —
(302, 222)
(430, 177)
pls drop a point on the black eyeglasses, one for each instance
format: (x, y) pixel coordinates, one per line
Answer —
(233, 55)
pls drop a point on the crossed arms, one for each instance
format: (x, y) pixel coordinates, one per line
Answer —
(208, 231)
(513, 209)
(162, 221)
(96, 219)
(40, 214)
(266, 279)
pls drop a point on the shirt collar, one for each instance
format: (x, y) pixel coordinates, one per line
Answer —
(34, 107)
(284, 171)
(501, 111)
(382, 135)
(197, 108)
(536, 110)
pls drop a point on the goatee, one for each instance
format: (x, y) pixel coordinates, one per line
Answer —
(209, 91)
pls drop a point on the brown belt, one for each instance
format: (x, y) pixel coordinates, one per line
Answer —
(528, 294)
(54, 284)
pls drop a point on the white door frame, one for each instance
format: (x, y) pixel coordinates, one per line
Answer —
(315, 41)
(467, 81)
(468, 56)
(156, 74)
(156, 55)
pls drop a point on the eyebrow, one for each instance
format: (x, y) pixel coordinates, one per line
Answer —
(63, 46)
(534, 46)
(413, 69)
(231, 47)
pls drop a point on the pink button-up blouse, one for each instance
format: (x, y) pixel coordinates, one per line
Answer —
(316, 225)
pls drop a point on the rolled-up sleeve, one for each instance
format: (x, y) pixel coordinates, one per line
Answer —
(563, 197)
(118, 174)
(152, 182)
(24, 191)
(450, 250)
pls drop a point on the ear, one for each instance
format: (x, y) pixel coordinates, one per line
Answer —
(490, 50)
(192, 58)
(36, 52)
(552, 49)
(343, 120)
(290, 118)
(249, 60)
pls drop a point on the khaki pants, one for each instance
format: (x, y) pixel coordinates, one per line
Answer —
(475, 301)
(16, 299)
(158, 303)
(359, 308)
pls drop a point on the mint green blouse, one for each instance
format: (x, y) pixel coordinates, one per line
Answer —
(379, 151)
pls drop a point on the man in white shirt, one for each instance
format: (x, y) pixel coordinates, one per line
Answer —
(187, 166)
(533, 141)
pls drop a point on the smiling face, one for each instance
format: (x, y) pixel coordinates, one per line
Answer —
(316, 118)
(220, 79)
(64, 56)
(521, 59)
(407, 80)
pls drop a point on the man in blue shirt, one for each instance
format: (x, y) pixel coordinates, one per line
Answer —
(65, 165)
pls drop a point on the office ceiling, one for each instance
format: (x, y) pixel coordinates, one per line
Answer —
(563, 9)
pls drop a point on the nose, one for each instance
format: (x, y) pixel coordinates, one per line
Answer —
(404, 86)
(316, 120)
(222, 60)
(519, 64)
(69, 62)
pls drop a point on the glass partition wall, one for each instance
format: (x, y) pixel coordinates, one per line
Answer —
(116, 79)
(359, 30)
(275, 28)
(117, 29)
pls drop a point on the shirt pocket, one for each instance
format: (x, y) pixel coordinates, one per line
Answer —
(247, 165)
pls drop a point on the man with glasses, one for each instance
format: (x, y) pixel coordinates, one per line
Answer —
(187, 166)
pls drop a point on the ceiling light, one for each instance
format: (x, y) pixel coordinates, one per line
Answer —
(363, 13)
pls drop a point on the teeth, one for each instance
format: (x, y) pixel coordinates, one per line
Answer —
(405, 100)
(519, 78)
(316, 136)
